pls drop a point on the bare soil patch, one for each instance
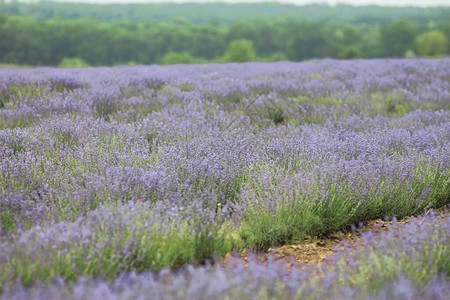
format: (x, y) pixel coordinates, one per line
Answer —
(315, 251)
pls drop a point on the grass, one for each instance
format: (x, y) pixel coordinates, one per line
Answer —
(292, 215)
(109, 250)
(7, 221)
(390, 104)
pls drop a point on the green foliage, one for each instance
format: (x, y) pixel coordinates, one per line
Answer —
(74, 62)
(398, 37)
(293, 215)
(178, 246)
(432, 43)
(311, 40)
(62, 86)
(139, 249)
(4, 98)
(7, 221)
(410, 54)
(20, 92)
(215, 14)
(81, 41)
(176, 58)
(350, 52)
(276, 114)
(263, 228)
(390, 104)
(241, 50)
(294, 219)
(19, 122)
(277, 56)
(380, 266)
(151, 139)
(105, 110)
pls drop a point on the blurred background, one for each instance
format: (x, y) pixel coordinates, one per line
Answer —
(82, 33)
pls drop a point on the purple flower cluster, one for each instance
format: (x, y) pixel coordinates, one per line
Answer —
(403, 263)
(109, 170)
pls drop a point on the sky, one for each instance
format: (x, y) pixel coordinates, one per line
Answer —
(299, 2)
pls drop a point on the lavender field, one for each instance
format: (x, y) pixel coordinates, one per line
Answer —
(135, 182)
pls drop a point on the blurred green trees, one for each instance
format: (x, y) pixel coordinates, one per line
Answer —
(432, 43)
(240, 51)
(31, 41)
(73, 62)
(177, 57)
(398, 37)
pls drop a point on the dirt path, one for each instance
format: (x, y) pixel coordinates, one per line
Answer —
(313, 251)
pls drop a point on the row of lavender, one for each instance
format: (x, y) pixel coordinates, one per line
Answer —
(282, 92)
(407, 262)
(117, 169)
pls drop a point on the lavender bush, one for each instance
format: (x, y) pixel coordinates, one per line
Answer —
(407, 262)
(107, 171)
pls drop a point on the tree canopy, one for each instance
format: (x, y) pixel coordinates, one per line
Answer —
(32, 38)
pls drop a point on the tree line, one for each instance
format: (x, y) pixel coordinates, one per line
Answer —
(223, 13)
(89, 41)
